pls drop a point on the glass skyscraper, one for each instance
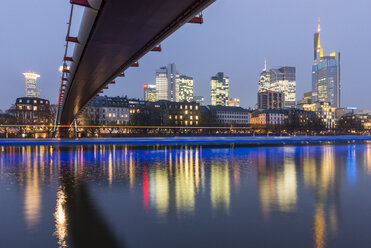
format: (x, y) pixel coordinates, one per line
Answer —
(325, 75)
(219, 90)
(167, 83)
(185, 89)
(282, 79)
(31, 84)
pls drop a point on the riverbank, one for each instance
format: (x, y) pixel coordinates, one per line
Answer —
(204, 141)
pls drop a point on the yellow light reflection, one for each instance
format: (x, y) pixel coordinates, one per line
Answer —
(162, 191)
(184, 184)
(220, 187)
(60, 219)
(32, 201)
(286, 187)
(319, 227)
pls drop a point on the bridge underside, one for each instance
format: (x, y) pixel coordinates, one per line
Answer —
(113, 38)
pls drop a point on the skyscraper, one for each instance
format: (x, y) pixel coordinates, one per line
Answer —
(325, 74)
(185, 89)
(282, 80)
(219, 90)
(31, 84)
(167, 83)
(149, 92)
(264, 81)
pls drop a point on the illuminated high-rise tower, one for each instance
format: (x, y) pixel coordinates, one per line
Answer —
(264, 80)
(325, 74)
(185, 89)
(30, 87)
(219, 90)
(167, 83)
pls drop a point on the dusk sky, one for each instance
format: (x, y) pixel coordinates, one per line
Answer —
(235, 38)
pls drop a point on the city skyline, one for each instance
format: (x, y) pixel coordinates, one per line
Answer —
(199, 61)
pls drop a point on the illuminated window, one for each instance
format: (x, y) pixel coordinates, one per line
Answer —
(181, 117)
(186, 112)
(191, 123)
(196, 117)
(34, 108)
(196, 107)
(176, 117)
(170, 117)
(181, 106)
(34, 101)
(28, 107)
(20, 107)
(186, 106)
(191, 117)
(109, 115)
(186, 123)
(191, 107)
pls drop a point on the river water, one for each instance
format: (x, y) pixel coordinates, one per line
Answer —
(190, 196)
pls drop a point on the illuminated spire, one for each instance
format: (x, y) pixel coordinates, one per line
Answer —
(319, 33)
(265, 64)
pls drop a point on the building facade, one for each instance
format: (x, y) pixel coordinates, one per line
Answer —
(149, 92)
(268, 117)
(165, 113)
(325, 75)
(219, 90)
(185, 89)
(167, 83)
(271, 100)
(106, 111)
(33, 110)
(31, 84)
(224, 115)
(324, 111)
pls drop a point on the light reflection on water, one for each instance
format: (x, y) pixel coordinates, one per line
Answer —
(176, 186)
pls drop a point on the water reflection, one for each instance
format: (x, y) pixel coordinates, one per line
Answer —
(172, 183)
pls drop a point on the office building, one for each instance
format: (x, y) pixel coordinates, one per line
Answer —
(325, 74)
(264, 80)
(31, 84)
(271, 100)
(185, 89)
(219, 90)
(167, 83)
(282, 79)
(149, 92)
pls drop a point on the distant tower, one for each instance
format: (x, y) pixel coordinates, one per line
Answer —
(325, 74)
(167, 83)
(30, 87)
(219, 90)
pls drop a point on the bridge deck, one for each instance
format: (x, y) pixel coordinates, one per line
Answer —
(116, 36)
